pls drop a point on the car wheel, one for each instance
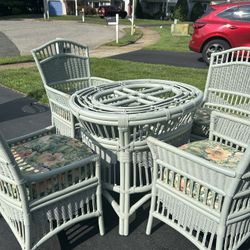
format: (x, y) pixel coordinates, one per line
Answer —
(212, 46)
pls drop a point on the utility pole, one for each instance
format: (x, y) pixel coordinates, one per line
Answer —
(45, 9)
(133, 17)
(76, 7)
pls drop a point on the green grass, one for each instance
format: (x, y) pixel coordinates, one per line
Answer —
(169, 42)
(27, 80)
(98, 20)
(90, 19)
(15, 59)
(127, 38)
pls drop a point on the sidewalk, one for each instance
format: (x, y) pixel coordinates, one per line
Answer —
(149, 37)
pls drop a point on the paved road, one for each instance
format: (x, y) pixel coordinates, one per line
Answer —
(179, 59)
(26, 34)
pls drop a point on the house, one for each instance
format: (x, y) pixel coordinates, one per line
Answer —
(150, 8)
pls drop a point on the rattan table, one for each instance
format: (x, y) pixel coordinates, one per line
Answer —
(117, 118)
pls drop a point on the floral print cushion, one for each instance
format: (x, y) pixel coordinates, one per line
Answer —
(221, 155)
(48, 152)
(201, 122)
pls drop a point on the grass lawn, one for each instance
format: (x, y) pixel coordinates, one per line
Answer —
(15, 59)
(127, 38)
(27, 80)
(89, 19)
(98, 20)
(169, 42)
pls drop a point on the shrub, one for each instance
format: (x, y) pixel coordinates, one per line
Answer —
(88, 10)
(181, 10)
(197, 11)
(138, 10)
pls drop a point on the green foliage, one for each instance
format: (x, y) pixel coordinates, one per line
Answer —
(16, 7)
(127, 38)
(15, 59)
(169, 42)
(138, 10)
(197, 11)
(28, 81)
(181, 10)
(88, 10)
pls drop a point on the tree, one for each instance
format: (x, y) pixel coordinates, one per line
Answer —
(8, 7)
(197, 11)
(138, 10)
(181, 10)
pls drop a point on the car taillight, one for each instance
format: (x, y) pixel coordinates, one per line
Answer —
(198, 25)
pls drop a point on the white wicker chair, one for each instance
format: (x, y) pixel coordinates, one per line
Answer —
(64, 68)
(202, 188)
(227, 88)
(44, 189)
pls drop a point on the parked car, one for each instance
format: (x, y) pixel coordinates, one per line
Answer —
(222, 26)
(107, 11)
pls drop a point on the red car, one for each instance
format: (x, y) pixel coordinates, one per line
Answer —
(109, 10)
(223, 26)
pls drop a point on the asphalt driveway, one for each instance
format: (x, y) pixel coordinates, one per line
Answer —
(19, 36)
(178, 59)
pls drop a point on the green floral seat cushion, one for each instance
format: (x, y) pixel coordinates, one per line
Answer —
(48, 152)
(201, 122)
(221, 155)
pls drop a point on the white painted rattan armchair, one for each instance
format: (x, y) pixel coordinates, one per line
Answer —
(47, 183)
(202, 189)
(64, 68)
(227, 88)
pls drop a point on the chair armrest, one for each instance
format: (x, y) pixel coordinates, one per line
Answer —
(57, 96)
(96, 81)
(57, 171)
(55, 183)
(188, 176)
(31, 136)
(188, 165)
(230, 129)
(52, 186)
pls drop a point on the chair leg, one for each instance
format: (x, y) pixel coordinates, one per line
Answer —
(27, 242)
(150, 217)
(219, 242)
(99, 200)
(101, 225)
(149, 224)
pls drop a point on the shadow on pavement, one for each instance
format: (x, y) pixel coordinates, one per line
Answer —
(20, 107)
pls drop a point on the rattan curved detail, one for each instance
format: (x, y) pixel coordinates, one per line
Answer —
(227, 87)
(117, 118)
(35, 218)
(64, 68)
(224, 226)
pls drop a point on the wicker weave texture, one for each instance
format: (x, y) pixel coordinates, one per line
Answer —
(38, 206)
(228, 82)
(221, 220)
(116, 120)
(64, 68)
